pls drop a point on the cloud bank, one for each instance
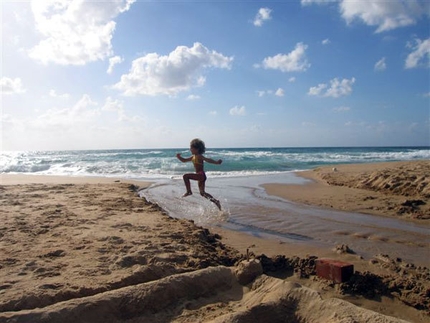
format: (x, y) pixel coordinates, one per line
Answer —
(385, 15)
(75, 32)
(181, 70)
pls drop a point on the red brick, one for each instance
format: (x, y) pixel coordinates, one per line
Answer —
(337, 271)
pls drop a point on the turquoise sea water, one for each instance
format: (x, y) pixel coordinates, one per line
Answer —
(245, 205)
(162, 163)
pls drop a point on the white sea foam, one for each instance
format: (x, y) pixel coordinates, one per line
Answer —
(162, 163)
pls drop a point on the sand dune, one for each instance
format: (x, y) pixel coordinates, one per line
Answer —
(215, 293)
(400, 189)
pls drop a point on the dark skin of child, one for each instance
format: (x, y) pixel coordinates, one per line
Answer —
(199, 175)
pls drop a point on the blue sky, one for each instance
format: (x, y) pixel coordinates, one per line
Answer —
(156, 74)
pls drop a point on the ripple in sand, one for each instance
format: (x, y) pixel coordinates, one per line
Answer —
(379, 238)
(361, 235)
(343, 233)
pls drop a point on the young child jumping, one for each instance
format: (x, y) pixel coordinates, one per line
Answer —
(197, 148)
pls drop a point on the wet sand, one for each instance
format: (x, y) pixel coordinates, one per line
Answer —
(92, 250)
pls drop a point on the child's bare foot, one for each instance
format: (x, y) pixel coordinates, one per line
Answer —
(187, 194)
(218, 204)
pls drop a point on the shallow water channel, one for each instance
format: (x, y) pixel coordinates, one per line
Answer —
(247, 208)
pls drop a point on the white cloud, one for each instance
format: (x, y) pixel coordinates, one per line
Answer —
(179, 71)
(238, 111)
(279, 92)
(112, 105)
(295, 61)
(193, 97)
(54, 94)
(75, 32)
(118, 107)
(316, 90)
(420, 54)
(261, 93)
(262, 15)
(381, 65)
(325, 41)
(79, 113)
(84, 113)
(79, 126)
(385, 15)
(112, 62)
(11, 86)
(340, 88)
(292, 79)
(337, 88)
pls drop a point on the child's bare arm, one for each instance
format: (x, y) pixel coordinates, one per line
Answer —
(211, 161)
(182, 159)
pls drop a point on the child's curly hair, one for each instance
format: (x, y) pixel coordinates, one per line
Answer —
(199, 145)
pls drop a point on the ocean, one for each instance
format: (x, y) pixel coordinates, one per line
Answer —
(237, 184)
(154, 164)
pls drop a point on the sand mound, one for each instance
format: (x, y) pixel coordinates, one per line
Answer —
(60, 242)
(409, 181)
(173, 298)
(275, 300)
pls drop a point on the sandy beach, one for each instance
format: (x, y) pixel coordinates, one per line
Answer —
(398, 189)
(91, 250)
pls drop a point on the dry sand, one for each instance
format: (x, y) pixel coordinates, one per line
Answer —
(400, 189)
(91, 250)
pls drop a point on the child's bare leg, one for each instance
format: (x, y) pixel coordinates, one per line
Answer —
(186, 178)
(208, 196)
(212, 199)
